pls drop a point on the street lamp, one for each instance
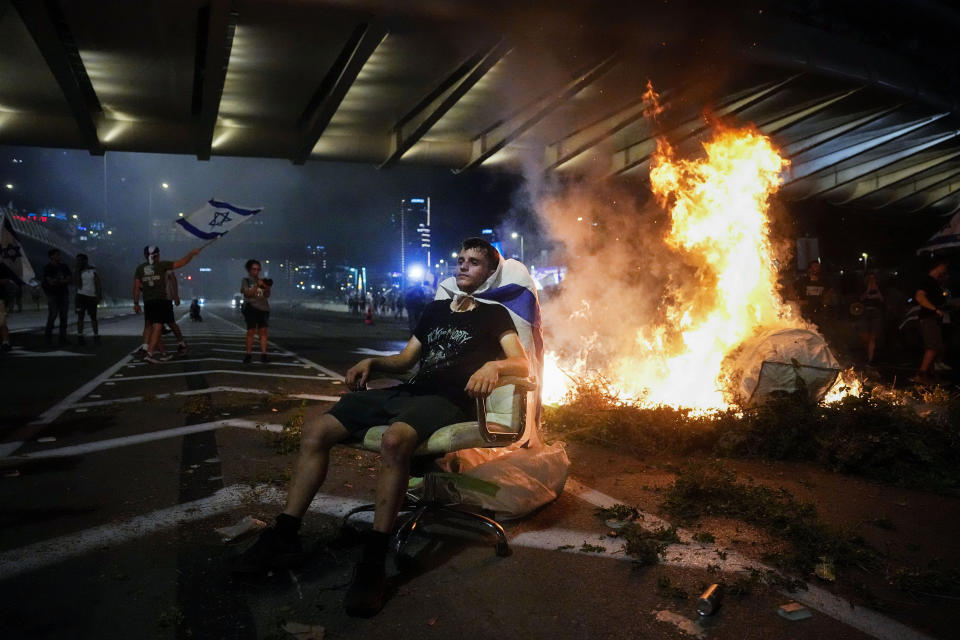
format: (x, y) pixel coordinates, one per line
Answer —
(9, 186)
(516, 235)
(453, 255)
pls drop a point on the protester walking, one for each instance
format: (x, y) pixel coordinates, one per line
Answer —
(89, 294)
(928, 295)
(56, 282)
(256, 308)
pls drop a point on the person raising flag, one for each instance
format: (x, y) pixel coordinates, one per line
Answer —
(150, 279)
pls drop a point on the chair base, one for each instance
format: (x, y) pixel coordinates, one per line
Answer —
(421, 509)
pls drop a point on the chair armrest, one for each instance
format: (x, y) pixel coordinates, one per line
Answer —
(522, 385)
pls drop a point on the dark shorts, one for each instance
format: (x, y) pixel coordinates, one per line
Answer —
(87, 304)
(426, 414)
(255, 317)
(872, 321)
(158, 311)
(932, 333)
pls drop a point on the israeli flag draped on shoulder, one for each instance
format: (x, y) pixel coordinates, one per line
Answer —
(12, 253)
(215, 219)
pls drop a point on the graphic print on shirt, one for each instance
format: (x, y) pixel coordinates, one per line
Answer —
(444, 344)
(150, 279)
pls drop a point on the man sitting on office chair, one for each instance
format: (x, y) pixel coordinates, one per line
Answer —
(463, 348)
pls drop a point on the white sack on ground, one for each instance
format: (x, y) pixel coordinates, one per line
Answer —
(785, 360)
(526, 477)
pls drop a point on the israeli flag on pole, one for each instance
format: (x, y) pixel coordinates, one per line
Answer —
(11, 252)
(215, 219)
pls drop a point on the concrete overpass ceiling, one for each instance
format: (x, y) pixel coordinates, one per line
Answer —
(864, 103)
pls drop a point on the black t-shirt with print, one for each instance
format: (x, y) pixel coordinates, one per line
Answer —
(455, 345)
(929, 285)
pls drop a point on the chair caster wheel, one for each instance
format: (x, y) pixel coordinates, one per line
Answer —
(503, 549)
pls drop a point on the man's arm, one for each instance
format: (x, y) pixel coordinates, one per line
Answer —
(185, 260)
(359, 373)
(921, 297)
(136, 295)
(482, 383)
(97, 286)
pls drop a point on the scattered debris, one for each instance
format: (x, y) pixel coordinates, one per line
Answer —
(432, 621)
(704, 536)
(617, 514)
(709, 600)
(246, 525)
(794, 611)
(703, 490)
(825, 570)
(586, 547)
(565, 547)
(684, 624)
(667, 589)
(647, 547)
(305, 631)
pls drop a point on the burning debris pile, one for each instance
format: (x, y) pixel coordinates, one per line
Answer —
(659, 308)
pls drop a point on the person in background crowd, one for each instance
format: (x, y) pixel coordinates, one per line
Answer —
(150, 280)
(256, 307)
(415, 300)
(195, 311)
(928, 294)
(35, 295)
(89, 294)
(7, 278)
(874, 311)
(812, 293)
(56, 282)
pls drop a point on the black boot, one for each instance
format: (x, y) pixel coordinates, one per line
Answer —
(365, 595)
(277, 548)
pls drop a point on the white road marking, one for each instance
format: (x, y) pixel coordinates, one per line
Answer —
(216, 359)
(23, 353)
(184, 374)
(204, 391)
(56, 410)
(373, 352)
(269, 353)
(140, 438)
(48, 552)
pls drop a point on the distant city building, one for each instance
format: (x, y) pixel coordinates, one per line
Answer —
(412, 223)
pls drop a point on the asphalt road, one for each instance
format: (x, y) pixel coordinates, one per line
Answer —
(115, 474)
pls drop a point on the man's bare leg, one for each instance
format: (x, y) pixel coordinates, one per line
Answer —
(396, 451)
(929, 355)
(154, 335)
(263, 340)
(250, 333)
(310, 471)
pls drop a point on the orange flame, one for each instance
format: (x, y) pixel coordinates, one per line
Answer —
(718, 208)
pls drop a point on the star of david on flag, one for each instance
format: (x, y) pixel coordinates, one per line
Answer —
(11, 252)
(215, 219)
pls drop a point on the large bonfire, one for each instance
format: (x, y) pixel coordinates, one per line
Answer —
(718, 207)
